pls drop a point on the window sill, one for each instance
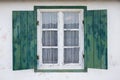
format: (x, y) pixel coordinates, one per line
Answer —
(61, 70)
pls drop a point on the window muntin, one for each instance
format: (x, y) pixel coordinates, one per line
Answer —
(60, 36)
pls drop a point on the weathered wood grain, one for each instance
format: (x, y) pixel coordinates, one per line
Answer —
(97, 41)
(24, 33)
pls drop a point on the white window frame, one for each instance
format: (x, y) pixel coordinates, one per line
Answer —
(60, 64)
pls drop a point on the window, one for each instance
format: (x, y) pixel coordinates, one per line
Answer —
(60, 39)
(67, 39)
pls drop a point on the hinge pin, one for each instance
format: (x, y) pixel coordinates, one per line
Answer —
(37, 22)
(83, 21)
(37, 57)
(83, 56)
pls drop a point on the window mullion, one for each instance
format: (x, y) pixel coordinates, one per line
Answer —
(60, 38)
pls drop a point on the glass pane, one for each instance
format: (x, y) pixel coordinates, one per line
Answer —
(49, 20)
(71, 20)
(71, 38)
(49, 38)
(71, 55)
(49, 55)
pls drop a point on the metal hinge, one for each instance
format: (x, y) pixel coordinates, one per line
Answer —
(83, 56)
(83, 21)
(37, 57)
(37, 23)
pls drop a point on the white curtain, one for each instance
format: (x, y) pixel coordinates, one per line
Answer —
(49, 37)
(71, 37)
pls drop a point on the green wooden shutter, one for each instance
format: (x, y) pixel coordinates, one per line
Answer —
(24, 39)
(96, 39)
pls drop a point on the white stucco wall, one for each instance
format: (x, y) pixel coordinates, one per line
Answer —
(6, 72)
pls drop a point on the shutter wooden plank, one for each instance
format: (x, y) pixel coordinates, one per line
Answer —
(31, 38)
(35, 41)
(16, 40)
(89, 39)
(97, 57)
(103, 35)
(24, 29)
(96, 35)
(23, 37)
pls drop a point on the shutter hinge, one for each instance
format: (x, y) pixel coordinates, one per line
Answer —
(37, 57)
(83, 56)
(37, 23)
(83, 21)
